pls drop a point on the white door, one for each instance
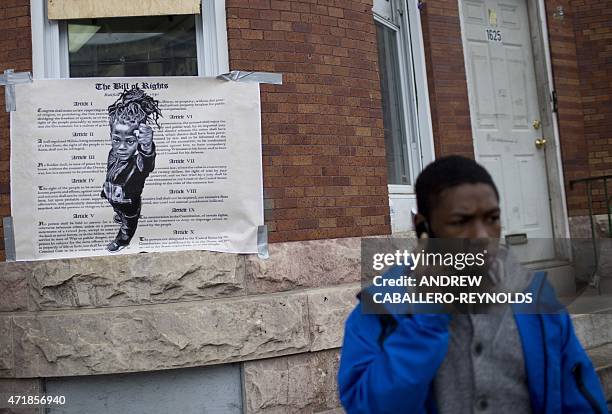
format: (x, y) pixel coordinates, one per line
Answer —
(504, 114)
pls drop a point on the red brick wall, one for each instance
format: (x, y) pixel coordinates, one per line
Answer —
(323, 143)
(574, 147)
(582, 66)
(446, 75)
(15, 53)
(593, 30)
(324, 154)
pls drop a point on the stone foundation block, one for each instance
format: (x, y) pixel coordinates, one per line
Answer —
(304, 383)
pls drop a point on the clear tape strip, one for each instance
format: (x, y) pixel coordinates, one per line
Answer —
(9, 239)
(8, 80)
(262, 242)
(245, 76)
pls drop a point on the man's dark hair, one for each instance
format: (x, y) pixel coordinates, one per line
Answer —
(448, 172)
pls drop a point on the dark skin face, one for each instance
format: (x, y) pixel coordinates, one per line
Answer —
(123, 140)
(467, 211)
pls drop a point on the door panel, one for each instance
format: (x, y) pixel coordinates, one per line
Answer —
(527, 168)
(503, 107)
(495, 166)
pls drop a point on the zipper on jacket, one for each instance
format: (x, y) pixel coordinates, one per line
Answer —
(577, 373)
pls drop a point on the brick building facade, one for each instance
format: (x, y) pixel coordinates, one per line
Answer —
(325, 185)
(593, 33)
(323, 142)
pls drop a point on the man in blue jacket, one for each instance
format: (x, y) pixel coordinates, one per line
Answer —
(512, 360)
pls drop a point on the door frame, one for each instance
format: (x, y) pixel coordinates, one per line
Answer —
(536, 12)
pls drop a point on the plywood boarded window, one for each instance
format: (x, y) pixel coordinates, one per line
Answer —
(91, 9)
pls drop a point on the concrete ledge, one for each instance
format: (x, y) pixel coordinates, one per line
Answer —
(134, 279)
(593, 330)
(580, 226)
(6, 347)
(144, 312)
(154, 278)
(14, 287)
(154, 337)
(328, 310)
(313, 263)
(160, 337)
(601, 357)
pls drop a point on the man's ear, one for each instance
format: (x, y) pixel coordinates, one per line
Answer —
(421, 225)
(417, 218)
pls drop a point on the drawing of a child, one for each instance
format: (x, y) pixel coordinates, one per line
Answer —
(130, 160)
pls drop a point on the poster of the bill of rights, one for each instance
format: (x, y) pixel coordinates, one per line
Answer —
(105, 166)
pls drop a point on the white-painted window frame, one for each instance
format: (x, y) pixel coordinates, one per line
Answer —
(50, 41)
(413, 77)
(402, 198)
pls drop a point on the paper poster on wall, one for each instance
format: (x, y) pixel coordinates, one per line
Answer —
(106, 166)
